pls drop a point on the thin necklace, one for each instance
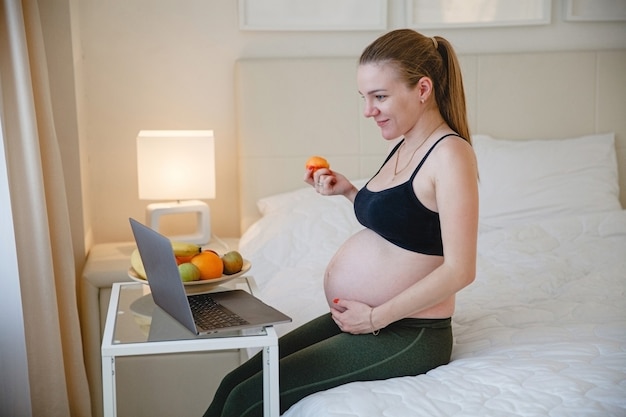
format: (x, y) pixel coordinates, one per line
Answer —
(395, 169)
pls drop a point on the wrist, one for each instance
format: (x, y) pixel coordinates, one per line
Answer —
(351, 193)
(375, 329)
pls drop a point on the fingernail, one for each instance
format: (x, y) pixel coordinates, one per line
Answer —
(336, 300)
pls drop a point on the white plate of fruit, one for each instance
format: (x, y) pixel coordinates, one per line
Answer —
(200, 270)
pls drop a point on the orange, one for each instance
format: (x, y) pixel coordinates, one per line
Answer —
(183, 259)
(316, 162)
(209, 263)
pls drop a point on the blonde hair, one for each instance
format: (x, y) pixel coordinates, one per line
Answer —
(415, 56)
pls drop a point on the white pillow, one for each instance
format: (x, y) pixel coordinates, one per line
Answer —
(526, 180)
(272, 203)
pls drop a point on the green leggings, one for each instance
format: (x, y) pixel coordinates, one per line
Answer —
(318, 356)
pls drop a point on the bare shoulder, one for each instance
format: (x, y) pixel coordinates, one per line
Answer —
(453, 142)
(455, 175)
(454, 149)
(452, 172)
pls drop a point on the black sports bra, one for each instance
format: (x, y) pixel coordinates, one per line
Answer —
(399, 216)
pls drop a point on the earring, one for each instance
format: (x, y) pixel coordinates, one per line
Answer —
(422, 101)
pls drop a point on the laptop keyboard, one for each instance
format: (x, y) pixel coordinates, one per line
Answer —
(208, 314)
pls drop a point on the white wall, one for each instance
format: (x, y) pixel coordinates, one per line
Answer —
(166, 64)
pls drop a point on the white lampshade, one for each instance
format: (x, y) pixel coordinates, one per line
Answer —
(177, 165)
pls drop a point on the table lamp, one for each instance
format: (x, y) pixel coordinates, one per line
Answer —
(177, 165)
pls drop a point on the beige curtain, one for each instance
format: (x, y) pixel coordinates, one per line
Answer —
(58, 382)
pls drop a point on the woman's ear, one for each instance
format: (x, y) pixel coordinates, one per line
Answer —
(424, 88)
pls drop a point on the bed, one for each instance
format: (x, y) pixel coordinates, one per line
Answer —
(542, 330)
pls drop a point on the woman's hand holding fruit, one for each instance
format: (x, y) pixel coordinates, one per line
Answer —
(325, 181)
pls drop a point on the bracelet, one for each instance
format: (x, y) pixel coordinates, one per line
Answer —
(374, 331)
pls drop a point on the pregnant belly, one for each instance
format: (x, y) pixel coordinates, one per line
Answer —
(369, 269)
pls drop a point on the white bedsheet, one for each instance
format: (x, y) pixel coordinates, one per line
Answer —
(541, 332)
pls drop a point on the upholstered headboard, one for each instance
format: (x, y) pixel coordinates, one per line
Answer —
(291, 108)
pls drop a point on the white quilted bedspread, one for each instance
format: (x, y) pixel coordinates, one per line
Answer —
(541, 332)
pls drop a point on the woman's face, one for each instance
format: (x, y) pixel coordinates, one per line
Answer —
(388, 100)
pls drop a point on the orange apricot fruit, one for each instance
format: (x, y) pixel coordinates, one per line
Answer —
(209, 263)
(316, 162)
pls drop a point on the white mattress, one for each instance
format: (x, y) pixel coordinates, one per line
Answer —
(541, 332)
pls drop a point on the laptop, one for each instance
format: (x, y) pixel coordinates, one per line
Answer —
(207, 313)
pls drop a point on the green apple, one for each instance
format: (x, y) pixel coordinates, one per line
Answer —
(188, 272)
(233, 262)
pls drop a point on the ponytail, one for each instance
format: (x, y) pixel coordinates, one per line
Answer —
(452, 102)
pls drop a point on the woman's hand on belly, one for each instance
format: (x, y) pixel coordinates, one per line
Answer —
(352, 316)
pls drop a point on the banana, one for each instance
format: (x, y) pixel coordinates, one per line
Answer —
(135, 262)
(185, 249)
(179, 249)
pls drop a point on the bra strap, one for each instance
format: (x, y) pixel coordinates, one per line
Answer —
(428, 153)
(393, 151)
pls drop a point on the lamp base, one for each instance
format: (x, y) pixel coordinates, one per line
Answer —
(155, 211)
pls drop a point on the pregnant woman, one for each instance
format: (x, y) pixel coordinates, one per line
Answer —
(390, 287)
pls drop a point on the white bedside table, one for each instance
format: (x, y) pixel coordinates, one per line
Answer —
(106, 264)
(126, 334)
